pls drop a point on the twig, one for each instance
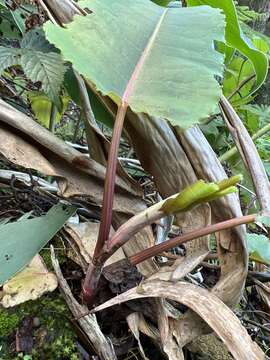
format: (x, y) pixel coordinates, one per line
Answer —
(157, 249)
(258, 325)
(88, 323)
(239, 87)
(233, 151)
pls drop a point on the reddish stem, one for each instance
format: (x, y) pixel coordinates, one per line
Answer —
(94, 270)
(166, 245)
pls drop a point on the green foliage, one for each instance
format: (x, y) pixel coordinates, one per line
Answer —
(42, 108)
(54, 337)
(264, 219)
(162, 2)
(8, 322)
(71, 86)
(198, 193)
(39, 61)
(259, 248)
(175, 81)
(23, 239)
(236, 39)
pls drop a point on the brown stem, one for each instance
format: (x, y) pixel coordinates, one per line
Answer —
(165, 246)
(94, 270)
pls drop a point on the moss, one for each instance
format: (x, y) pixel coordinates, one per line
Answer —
(54, 338)
(8, 322)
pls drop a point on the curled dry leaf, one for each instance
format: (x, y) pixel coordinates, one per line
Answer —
(29, 284)
(218, 316)
(133, 321)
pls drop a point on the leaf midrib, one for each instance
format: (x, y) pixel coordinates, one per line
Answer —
(134, 76)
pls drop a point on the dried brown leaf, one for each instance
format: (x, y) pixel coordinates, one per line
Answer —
(208, 306)
(29, 284)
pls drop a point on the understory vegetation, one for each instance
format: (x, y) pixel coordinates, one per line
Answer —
(134, 179)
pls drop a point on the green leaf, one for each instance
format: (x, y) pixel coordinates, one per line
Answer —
(35, 40)
(236, 38)
(46, 68)
(42, 108)
(167, 69)
(22, 240)
(259, 248)
(71, 85)
(264, 219)
(198, 193)
(162, 2)
(39, 61)
(8, 57)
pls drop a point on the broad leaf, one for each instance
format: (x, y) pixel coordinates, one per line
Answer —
(39, 61)
(167, 70)
(235, 38)
(259, 248)
(22, 240)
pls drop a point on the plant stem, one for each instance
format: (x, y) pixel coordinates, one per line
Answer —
(52, 117)
(166, 245)
(94, 270)
(239, 87)
(233, 151)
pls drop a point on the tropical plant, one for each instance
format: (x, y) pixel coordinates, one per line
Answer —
(155, 72)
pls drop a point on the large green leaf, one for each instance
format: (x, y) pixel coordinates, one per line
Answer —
(159, 60)
(22, 240)
(235, 38)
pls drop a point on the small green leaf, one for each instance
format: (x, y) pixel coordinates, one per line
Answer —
(46, 68)
(8, 57)
(224, 184)
(199, 192)
(42, 108)
(22, 240)
(259, 248)
(39, 61)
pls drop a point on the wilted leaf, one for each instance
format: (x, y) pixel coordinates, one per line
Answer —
(218, 316)
(142, 67)
(259, 248)
(29, 284)
(22, 240)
